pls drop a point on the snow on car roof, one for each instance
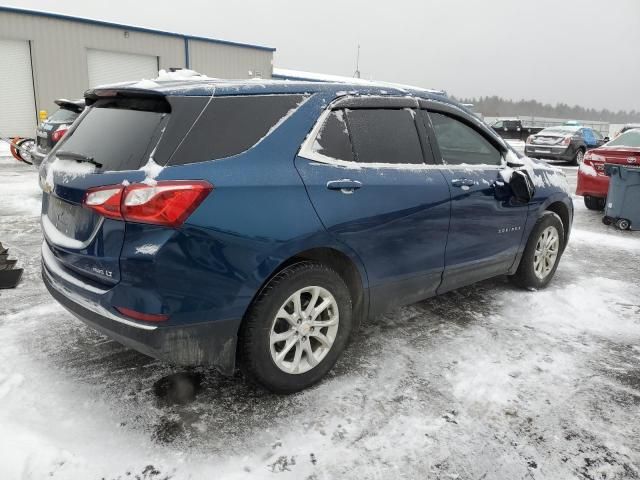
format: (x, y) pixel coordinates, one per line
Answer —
(189, 82)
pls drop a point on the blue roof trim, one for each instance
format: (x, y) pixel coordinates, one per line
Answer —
(133, 28)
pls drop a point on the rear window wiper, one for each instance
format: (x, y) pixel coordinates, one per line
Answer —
(78, 157)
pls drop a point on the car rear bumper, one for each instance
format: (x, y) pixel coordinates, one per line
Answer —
(208, 343)
(549, 152)
(592, 186)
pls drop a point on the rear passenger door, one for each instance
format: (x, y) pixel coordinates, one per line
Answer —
(486, 228)
(365, 172)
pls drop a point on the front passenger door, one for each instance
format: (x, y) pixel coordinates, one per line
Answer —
(485, 230)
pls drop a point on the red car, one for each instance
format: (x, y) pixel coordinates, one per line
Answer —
(593, 184)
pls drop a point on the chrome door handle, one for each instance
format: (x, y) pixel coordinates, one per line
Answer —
(345, 185)
(463, 182)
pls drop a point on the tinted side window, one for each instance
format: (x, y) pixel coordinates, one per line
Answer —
(333, 138)
(461, 144)
(232, 125)
(384, 136)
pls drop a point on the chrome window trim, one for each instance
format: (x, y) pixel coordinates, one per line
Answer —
(307, 151)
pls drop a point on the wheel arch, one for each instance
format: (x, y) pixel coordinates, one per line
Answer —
(349, 269)
(560, 209)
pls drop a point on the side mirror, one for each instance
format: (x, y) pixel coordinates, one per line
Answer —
(522, 186)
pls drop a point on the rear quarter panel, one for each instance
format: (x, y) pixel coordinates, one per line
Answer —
(257, 216)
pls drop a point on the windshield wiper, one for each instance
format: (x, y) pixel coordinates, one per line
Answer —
(78, 157)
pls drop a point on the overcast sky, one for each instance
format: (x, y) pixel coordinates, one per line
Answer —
(584, 52)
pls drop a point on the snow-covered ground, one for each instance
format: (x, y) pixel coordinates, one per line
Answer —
(488, 382)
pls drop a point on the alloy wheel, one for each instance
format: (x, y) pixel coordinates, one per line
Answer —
(304, 330)
(546, 252)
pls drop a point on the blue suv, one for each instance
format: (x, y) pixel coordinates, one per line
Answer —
(257, 223)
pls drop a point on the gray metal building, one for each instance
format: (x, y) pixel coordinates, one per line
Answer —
(46, 56)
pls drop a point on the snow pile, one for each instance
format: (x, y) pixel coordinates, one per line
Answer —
(56, 236)
(144, 83)
(542, 175)
(67, 169)
(147, 249)
(182, 74)
(587, 170)
(299, 75)
(151, 170)
(5, 149)
(21, 194)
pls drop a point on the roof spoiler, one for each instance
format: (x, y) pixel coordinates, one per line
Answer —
(74, 105)
(94, 94)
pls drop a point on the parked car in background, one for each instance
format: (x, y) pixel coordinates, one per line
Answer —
(264, 221)
(593, 184)
(53, 128)
(625, 128)
(514, 129)
(568, 143)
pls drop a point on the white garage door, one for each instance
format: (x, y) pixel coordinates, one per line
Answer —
(112, 67)
(17, 104)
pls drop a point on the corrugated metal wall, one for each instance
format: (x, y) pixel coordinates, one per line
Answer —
(59, 53)
(228, 61)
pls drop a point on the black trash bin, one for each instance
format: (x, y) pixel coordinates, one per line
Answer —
(623, 199)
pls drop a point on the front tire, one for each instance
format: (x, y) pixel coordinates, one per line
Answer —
(296, 329)
(542, 254)
(594, 203)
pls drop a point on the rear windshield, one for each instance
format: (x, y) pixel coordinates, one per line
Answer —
(118, 134)
(63, 116)
(232, 125)
(630, 138)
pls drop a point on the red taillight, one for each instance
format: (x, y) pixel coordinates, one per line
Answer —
(59, 133)
(595, 160)
(145, 317)
(105, 201)
(166, 203)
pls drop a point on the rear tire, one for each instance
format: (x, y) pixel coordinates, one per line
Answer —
(595, 203)
(287, 345)
(542, 254)
(578, 157)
